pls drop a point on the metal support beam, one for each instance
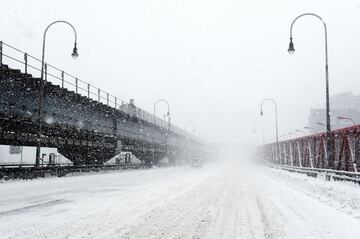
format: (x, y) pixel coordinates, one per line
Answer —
(26, 62)
(62, 79)
(1, 52)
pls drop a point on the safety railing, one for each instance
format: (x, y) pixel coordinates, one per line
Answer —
(328, 174)
(340, 150)
(29, 171)
(29, 64)
(32, 65)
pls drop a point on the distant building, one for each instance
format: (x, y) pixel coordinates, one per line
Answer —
(132, 110)
(341, 105)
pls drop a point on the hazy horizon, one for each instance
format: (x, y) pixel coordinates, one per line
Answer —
(214, 62)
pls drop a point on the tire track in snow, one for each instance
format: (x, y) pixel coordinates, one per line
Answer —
(188, 216)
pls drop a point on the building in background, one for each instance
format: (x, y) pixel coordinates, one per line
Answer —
(345, 105)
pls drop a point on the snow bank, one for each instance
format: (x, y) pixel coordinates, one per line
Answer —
(344, 196)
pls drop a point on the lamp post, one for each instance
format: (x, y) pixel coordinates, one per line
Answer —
(262, 129)
(346, 118)
(291, 50)
(40, 106)
(276, 115)
(168, 115)
(168, 109)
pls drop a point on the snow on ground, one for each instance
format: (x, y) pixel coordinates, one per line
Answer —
(344, 196)
(217, 201)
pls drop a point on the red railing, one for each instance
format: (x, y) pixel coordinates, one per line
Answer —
(311, 151)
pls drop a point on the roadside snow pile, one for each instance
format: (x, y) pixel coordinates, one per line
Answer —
(344, 196)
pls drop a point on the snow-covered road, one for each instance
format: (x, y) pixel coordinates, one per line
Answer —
(227, 201)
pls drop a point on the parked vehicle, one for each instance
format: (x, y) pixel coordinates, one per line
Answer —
(196, 163)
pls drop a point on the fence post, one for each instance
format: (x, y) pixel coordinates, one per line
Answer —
(291, 154)
(310, 155)
(1, 52)
(115, 102)
(356, 150)
(299, 153)
(45, 71)
(62, 79)
(26, 62)
(88, 90)
(352, 155)
(99, 94)
(76, 85)
(107, 98)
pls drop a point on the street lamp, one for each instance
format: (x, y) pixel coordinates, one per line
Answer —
(168, 109)
(346, 118)
(291, 50)
(168, 114)
(262, 128)
(74, 55)
(276, 116)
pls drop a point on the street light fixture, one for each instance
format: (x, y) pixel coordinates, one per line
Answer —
(291, 50)
(276, 116)
(74, 54)
(346, 118)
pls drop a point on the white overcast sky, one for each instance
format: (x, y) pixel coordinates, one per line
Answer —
(214, 61)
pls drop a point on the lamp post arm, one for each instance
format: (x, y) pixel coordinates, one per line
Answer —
(158, 101)
(325, 31)
(347, 118)
(308, 14)
(44, 42)
(276, 115)
(352, 121)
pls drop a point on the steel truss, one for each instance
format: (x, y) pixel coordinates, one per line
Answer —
(310, 151)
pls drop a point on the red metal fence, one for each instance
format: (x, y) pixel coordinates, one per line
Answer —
(310, 151)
